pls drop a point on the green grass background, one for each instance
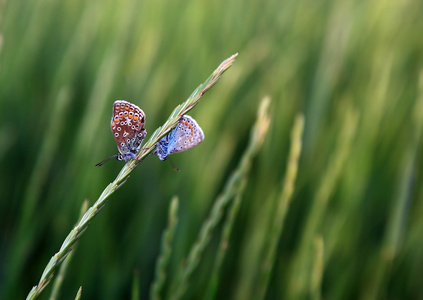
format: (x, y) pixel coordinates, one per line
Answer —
(354, 68)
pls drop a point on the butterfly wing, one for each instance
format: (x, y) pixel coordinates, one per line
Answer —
(127, 126)
(186, 135)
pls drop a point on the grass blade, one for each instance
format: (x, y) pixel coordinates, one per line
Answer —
(318, 267)
(231, 189)
(135, 293)
(123, 175)
(63, 268)
(166, 249)
(79, 294)
(282, 205)
(302, 262)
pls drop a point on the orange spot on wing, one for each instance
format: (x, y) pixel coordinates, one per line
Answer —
(135, 118)
(116, 120)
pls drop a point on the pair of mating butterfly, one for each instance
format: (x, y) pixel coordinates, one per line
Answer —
(128, 130)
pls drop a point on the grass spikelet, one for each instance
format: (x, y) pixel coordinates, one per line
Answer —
(282, 204)
(123, 175)
(166, 249)
(232, 188)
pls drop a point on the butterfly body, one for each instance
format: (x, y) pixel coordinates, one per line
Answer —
(127, 126)
(186, 135)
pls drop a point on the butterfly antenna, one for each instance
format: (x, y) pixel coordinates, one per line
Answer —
(106, 160)
(173, 165)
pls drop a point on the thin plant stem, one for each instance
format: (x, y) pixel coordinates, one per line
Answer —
(28, 223)
(171, 122)
(224, 241)
(318, 267)
(302, 262)
(135, 293)
(79, 293)
(282, 205)
(231, 189)
(399, 213)
(63, 268)
(165, 252)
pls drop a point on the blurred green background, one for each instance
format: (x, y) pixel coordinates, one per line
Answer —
(354, 68)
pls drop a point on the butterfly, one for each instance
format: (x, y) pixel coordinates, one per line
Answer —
(127, 126)
(186, 135)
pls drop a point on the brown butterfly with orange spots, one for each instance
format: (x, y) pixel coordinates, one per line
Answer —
(128, 130)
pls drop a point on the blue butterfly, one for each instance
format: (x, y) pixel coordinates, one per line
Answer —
(186, 135)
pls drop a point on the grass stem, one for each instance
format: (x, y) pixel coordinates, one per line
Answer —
(282, 205)
(231, 189)
(166, 249)
(83, 224)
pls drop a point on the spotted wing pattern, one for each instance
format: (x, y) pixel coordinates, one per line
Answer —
(128, 128)
(186, 135)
